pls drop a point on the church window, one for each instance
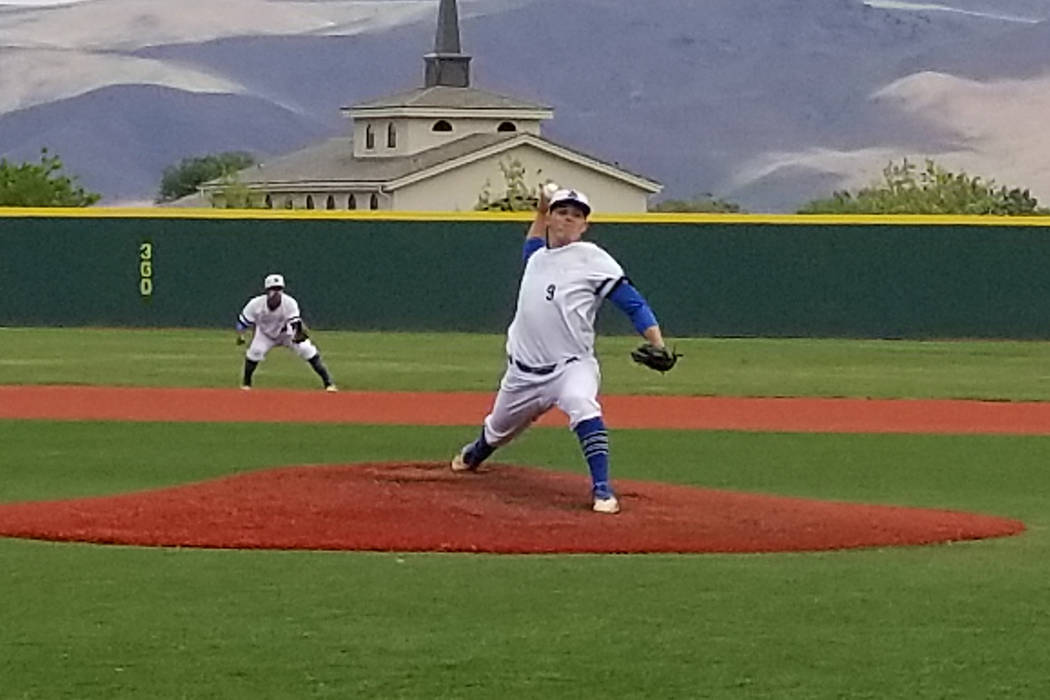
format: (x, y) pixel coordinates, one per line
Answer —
(507, 126)
(370, 137)
(441, 125)
(391, 135)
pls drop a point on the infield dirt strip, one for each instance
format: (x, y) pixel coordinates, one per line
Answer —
(505, 508)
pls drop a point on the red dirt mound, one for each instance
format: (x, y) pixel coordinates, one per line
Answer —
(425, 507)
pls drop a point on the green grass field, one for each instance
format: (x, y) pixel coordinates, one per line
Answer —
(967, 620)
(459, 362)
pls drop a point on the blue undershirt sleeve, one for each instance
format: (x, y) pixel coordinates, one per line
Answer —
(530, 247)
(628, 300)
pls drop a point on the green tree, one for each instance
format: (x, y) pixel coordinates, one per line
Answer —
(905, 189)
(517, 196)
(183, 179)
(704, 203)
(234, 194)
(41, 185)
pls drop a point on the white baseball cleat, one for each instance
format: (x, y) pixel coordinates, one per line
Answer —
(330, 387)
(609, 505)
(459, 465)
(245, 387)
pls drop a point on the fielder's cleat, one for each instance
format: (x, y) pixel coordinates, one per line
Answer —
(330, 387)
(609, 505)
(245, 387)
(459, 464)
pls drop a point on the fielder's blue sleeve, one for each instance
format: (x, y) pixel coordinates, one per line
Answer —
(243, 324)
(633, 304)
(530, 247)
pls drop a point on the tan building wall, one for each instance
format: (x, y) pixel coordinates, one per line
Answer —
(341, 200)
(458, 190)
(416, 134)
(302, 200)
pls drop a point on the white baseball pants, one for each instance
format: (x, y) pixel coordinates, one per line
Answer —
(262, 344)
(523, 397)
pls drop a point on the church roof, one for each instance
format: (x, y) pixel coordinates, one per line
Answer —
(332, 162)
(445, 97)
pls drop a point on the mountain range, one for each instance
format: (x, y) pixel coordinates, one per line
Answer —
(767, 103)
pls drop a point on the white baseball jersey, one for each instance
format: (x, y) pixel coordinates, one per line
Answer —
(561, 290)
(273, 323)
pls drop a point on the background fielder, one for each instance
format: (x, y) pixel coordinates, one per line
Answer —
(275, 317)
(550, 342)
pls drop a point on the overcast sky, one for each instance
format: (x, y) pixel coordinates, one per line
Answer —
(39, 3)
(900, 4)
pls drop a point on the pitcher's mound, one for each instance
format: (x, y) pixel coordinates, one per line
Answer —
(425, 507)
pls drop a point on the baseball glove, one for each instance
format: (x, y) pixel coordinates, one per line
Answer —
(300, 333)
(660, 359)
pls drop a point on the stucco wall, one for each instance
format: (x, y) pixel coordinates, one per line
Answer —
(415, 134)
(458, 190)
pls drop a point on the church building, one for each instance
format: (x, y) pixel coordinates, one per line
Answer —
(436, 148)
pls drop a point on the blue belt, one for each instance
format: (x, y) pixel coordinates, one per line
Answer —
(545, 369)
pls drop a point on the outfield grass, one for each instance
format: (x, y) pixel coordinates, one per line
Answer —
(967, 620)
(460, 362)
(962, 620)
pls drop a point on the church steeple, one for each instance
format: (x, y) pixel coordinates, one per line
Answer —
(447, 65)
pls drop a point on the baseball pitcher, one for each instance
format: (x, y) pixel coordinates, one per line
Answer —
(275, 317)
(550, 342)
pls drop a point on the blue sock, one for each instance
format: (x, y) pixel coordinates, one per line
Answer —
(594, 440)
(478, 451)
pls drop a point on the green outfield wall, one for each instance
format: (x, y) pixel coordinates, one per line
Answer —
(883, 277)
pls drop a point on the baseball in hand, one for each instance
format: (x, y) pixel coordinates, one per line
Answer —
(549, 189)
